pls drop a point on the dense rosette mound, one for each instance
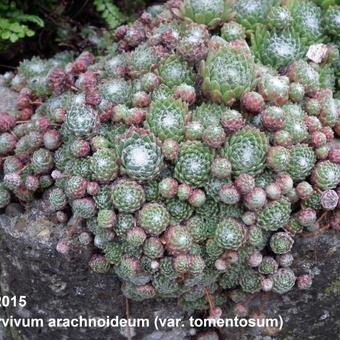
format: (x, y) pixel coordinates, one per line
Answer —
(192, 152)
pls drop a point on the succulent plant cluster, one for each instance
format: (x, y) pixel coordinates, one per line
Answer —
(190, 159)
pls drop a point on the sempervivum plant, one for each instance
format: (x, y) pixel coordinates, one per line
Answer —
(57, 199)
(331, 19)
(246, 151)
(5, 197)
(7, 143)
(279, 17)
(206, 114)
(140, 156)
(154, 218)
(179, 210)
(250, 13)
(192, 151)
(42, 161)
(193, 164)
(300, 71)
(302, 160)
(208, 12)
(104, 165)
(81, 120)
(178, 240)
(250, 281)
(307, 20)
(116, 92)
(174, 71)
(268, 266)
(166, 119)
(275, 215)
(276, 48)
(193, 45)
(281, 243)
(127, 195)
(232, 31)
(274, 89)
(75, 187)
(227, 74)
(326, 175)
(229, 234)
(284, 280)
